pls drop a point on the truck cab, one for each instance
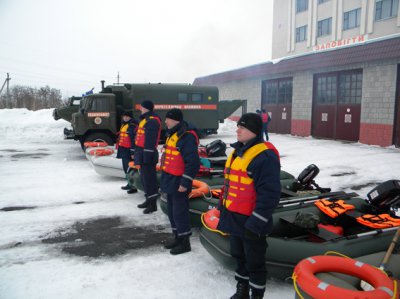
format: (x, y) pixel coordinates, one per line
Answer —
(96, 119)
(66, 111)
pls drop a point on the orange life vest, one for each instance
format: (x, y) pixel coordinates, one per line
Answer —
(378, 221)
(124, 139)
(333, 208)
(172, 161)
(140, 134)
(239, 191)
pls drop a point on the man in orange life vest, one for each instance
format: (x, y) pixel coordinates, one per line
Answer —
(126, 144)
(251, 193)
(146, 154)
(180, 164)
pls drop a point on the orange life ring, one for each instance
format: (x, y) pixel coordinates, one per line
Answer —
(304, 276)
(210, 220)
(95, 144)
(200, 188)
(101, 152)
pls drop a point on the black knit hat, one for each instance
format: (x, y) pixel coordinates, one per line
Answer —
(148, 105)
(128, 113)
(175, 114)
(252, 122)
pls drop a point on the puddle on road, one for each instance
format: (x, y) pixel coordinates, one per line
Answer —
(31, 155)
(107, 237)
(17, 208)
(361, 186)
(344, 173)
(10, 150)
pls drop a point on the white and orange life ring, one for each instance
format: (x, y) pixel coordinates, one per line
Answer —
(304, 277)
(210, 220)
(101, 152)
(95, 144)
(200, 188)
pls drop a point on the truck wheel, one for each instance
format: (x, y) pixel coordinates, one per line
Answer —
(99, 137)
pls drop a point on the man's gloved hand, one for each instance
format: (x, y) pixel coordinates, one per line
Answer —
(248, 234)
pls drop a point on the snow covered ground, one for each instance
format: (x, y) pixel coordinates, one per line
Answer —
(47, 186)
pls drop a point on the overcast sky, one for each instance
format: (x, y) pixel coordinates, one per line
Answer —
(73, 44)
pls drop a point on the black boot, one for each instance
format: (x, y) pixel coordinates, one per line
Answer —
(182, 247)
(132, 190)
(257, 296)
(242, 291)
(151, 207)
(126, 187)
(171, 243)
(143, 205)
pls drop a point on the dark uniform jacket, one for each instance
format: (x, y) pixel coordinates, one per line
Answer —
(264, 169)
(187, 146)
(123, 152)
(148, 154)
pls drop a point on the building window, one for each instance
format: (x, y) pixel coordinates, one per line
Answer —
(326, 89)
(322, 1)
(351, 19)
(197, 97)
(386, 9)
(324, 27)
(272, 92)
(182, 97)
(301, 34)
(278, 91)
(301, 5)
(350, 87)
(285, 87)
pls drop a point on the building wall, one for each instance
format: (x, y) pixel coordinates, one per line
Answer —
(378, 103)
(286, 20)
(249, 90)
(377, 106)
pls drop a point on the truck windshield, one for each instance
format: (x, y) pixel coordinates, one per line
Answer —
(99, 105)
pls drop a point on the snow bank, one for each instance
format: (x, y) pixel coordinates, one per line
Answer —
(33, 125)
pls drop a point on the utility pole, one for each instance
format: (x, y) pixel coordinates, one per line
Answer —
(7, 81)
(118, 78)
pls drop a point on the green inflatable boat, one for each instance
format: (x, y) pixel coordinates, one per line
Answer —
(290, 241)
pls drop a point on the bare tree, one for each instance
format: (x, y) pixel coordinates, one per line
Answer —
(32, 98)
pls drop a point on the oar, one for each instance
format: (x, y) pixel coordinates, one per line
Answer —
(303, 201)
(318, 196)
(365, 285)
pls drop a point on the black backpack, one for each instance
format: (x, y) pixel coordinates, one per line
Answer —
(217, 148)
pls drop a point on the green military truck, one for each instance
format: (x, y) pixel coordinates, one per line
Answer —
(66, 111)
(99, 115)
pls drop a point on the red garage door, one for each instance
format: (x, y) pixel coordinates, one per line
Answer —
(396, 132)
(337, 105)
(276, 99)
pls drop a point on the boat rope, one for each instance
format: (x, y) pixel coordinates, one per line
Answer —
(210, 229)
(331, 252)
(296, 288)
(204, 194)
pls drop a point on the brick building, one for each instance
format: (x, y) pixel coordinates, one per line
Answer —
(334, 74)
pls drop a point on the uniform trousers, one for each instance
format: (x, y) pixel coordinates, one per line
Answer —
(178, 213)
(250, 258)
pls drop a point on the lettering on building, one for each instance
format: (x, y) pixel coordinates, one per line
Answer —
(341, 43)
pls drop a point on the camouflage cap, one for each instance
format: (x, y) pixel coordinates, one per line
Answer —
(306, 220)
